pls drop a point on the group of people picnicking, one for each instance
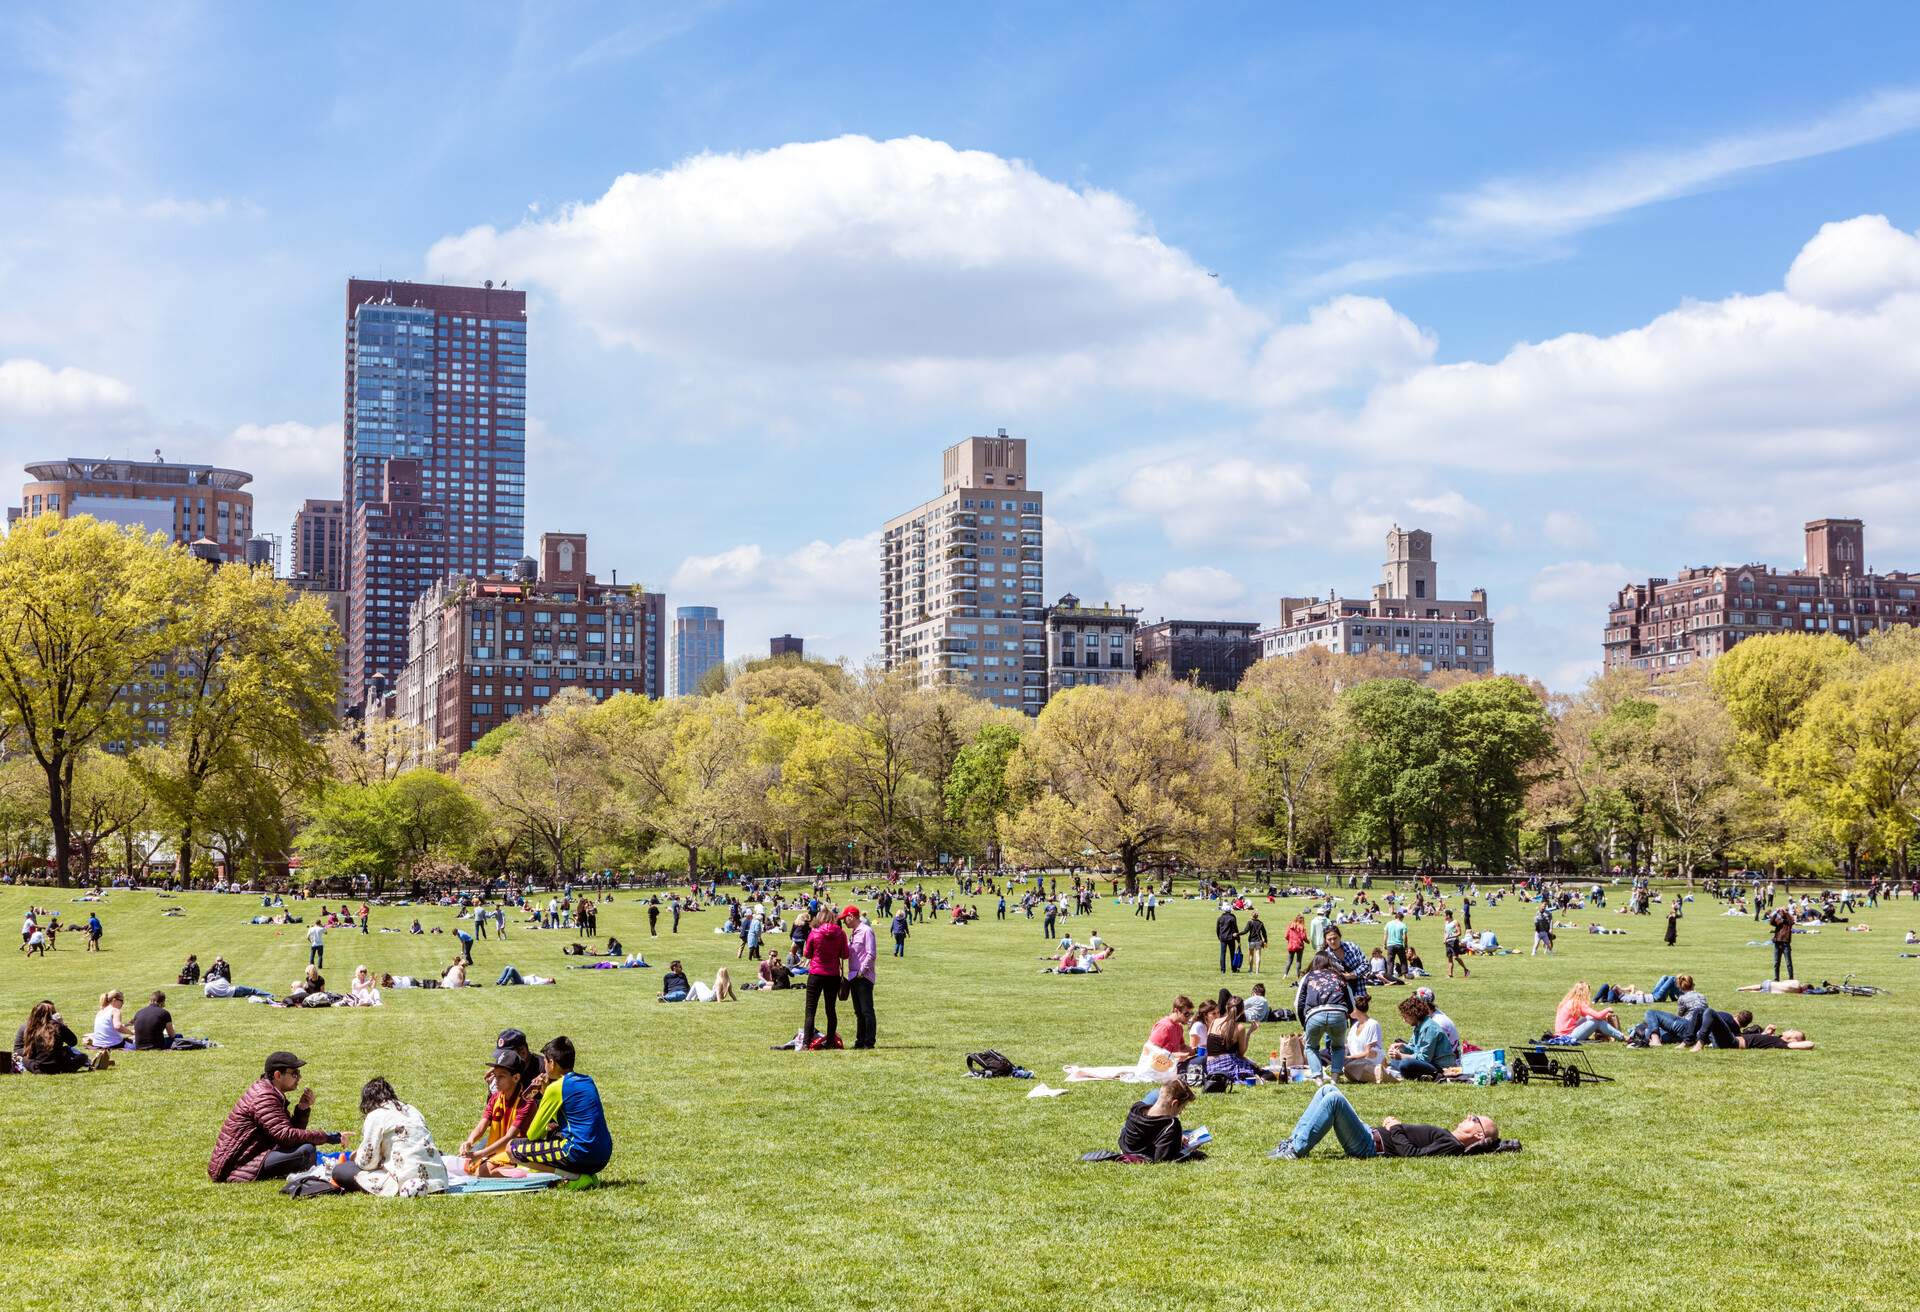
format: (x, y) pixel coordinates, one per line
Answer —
(541, 1118)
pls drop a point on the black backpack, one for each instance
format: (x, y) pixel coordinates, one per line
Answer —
(989, 1065)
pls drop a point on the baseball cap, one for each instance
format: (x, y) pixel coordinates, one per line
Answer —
(510, 1038)
(506, 1059)
(282, 1061)
(851, 913)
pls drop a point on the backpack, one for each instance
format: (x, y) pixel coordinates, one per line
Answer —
(989, 1065)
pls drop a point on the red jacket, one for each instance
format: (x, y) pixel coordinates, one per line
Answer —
(257, 1125)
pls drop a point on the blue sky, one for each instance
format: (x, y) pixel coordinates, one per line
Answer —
(1590, 296)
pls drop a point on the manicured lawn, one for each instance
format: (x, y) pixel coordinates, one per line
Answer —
(746, 1178)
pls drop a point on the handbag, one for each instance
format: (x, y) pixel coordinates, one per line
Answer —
(1236, 958)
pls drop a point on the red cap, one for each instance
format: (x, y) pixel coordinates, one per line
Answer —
(851, 913)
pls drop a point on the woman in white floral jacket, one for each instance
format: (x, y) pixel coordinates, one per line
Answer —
(396, 1157)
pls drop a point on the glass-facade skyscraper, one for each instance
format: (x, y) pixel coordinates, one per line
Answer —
(699, 644)
(435, 374)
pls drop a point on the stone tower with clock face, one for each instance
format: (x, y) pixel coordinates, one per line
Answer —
(1410, 571)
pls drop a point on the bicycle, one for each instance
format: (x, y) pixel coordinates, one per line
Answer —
(1848, 987)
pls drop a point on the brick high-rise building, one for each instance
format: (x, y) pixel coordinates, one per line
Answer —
(961, 578)
(483, 649)
(186, 502)
(435, 375)
(699, 644)
(1405, 615)
(320, 532)
(1663, 624)
(786, 645)
(399, 547)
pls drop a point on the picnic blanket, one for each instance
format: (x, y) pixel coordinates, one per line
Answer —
(459, 1182)
(1155, 1066)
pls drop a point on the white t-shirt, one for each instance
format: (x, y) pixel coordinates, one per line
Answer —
(1363, 1036)
(316, 936)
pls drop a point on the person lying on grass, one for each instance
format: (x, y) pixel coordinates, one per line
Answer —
(1152, 1128)
(396, 1157)
(1329, 1110)
(569, 1131)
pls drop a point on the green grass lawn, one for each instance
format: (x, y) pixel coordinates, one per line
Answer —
(746, 1178)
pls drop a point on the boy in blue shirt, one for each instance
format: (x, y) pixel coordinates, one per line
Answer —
(569, 1131)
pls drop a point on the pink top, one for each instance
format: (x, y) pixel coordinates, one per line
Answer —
(1571, 1013)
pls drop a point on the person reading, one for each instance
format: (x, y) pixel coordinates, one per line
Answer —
(1152, 1129)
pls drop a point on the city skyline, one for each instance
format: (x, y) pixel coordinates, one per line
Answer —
(773, 302)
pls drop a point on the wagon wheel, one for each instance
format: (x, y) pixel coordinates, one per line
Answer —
(1572, 1077)
(1521, 1074)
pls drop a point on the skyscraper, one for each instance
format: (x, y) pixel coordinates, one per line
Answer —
(435, 375)
(320, 531)
(699, 644)
(961, 578)
(187, 502)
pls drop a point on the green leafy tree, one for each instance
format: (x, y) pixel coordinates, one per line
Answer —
(977, 795)
(1391, 772)
(1497, 737)
(87, 617)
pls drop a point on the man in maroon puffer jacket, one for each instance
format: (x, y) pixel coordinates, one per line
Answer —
(259, 1140)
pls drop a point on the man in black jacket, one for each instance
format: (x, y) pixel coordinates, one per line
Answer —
(1227, 930)
(1330, 1110)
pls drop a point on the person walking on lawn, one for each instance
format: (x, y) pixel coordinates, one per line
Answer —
(1227, 930)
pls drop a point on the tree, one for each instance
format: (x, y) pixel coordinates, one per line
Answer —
(549, 780)
(87, 615)
(251, 682)
(1128, 773)
(976, 789)
(1854, 759)
(1766, 682)
(1497, 735)
(109, 801)
(365, 753)
(1390, 773)
(1290, 707)
(371, 830)
(687, 766)
(866, 764)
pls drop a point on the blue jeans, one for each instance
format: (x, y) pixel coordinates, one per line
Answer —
(1665, 989)
(1668, 1026)
(1414, 1068)
(1783, 951)
(1330, 1110)
(1329, 1028)
(899, 945)
(247, 991)
(1586, 1029)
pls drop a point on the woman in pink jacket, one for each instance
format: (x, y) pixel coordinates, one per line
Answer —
(1577, 1019)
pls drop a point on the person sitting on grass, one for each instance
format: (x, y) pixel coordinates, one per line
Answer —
(512, 1098)
(396, 1157)
(569, 1131)
(45, 1046)
(1430, 1049)
(1227, 1037)
(259, 1139)
(1577, 1019)
(774, 974)
(190, 973)
(153, 1029)
(1169, 1033)
(1329, 1110)
(1152, 1128)
(1366, 1054)
(110, 1030)
(1256, 1008)
(673, 984)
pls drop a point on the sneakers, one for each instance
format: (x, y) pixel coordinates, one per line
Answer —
(1285, 1153)
(582, 1182)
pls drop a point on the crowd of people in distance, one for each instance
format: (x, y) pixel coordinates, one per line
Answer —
(541, 1116)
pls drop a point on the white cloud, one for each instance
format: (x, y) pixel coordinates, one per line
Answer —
(290, 462)
(862, 269)
(32, 390)
(1194, 592)
(1504, 219)
(1235, 500)
(1855, 265)
(1586, 584)
(1567, 528)
(816, 574)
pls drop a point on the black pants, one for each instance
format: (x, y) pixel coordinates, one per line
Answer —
(1150, 912)
(1226, 956)
(1293, 960)
(317, 956)
(865, 1027)
(1397, 959)
(279, 1165)
(1783, 950)
(828, 987)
